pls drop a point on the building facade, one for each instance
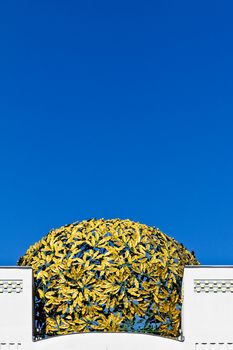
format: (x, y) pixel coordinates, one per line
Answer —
(207, 316)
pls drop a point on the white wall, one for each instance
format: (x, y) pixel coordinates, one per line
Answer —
(108, 341)
(207, 313)
(15, 307)
(207, 316)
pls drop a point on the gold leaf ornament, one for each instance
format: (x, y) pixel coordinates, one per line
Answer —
(103, 275)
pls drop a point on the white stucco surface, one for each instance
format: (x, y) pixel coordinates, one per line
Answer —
(207, 316)
(110, 341)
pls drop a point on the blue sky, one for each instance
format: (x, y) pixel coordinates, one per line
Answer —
(117, 109)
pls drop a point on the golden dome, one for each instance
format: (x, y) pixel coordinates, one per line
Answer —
(107, 276)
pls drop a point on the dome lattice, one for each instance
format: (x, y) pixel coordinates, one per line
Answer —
(109, 276)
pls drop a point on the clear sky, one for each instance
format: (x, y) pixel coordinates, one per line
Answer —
(117, 109)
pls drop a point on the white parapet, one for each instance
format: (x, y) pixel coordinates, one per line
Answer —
(108, 341)
(207, 316)
(207, 312)
(16, 308)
